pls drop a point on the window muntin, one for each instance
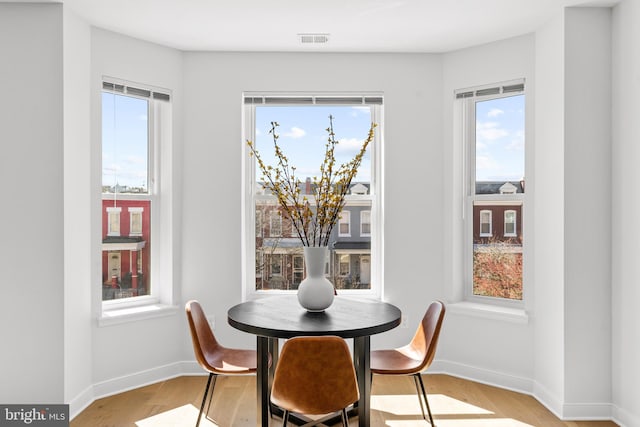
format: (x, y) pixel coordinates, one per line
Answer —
(302, 137)
(495, 129)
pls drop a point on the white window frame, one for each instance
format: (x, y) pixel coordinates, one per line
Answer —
(466, 100)
(251, 191)
(345, 219)
(161, 300)
(515, 223)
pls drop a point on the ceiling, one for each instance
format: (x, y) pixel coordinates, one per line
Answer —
(352, 25)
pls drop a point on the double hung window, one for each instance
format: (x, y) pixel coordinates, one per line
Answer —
(302, 134)
(494, 131)
(131, 130)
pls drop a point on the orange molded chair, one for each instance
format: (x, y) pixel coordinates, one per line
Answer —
(416, 356)
(314, 376)
(213, 357)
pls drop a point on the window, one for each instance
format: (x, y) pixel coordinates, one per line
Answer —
(135, 215)
(303, 120)
(113, 221)
(485, 223)
(276, 264)
(345, 265)
(365, 223)
(133, 122)
(344, 224)
(494, 123)
(275, 224)
(510, 223)
(258, 224)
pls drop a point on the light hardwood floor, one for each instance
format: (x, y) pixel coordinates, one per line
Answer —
(454, 403)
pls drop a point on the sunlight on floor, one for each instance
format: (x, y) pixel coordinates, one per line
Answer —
(183, 416)
(404, 411)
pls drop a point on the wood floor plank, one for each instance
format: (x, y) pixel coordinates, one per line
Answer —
(454, 402)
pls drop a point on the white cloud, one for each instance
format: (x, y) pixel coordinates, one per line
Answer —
(489, 131)
(517, 143)
(295, 132)
(484, 163)
(360, 110)
(348, 146)
(495, 112)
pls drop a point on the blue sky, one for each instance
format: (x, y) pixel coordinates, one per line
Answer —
(124, 140)
(500, 139)
(303, 136)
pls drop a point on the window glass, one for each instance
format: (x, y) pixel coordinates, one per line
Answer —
(497, 189)
(302, 135)
(344, 223)
(126, 202)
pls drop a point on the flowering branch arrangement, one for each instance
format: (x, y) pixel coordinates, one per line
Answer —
(312, 221)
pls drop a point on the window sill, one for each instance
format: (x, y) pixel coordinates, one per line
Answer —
(118, 316)
(487, 311)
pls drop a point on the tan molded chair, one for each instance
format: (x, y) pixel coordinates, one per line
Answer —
(213, 357)
(315, 376)
(416, 356)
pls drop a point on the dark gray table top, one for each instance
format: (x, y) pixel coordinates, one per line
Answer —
(282, 316)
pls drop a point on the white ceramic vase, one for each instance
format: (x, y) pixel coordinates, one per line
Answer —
(315, 292)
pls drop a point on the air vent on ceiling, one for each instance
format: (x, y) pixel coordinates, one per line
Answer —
(313, 38)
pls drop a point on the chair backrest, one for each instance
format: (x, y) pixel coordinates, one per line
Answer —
(204, 342)
(425, 340)
(314, 375)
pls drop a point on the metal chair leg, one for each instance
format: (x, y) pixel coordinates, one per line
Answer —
(204, 399)
(426, 401)
(285, 418)
(345, 419)
(213, 386)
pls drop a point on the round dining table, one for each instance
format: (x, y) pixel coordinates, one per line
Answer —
(281, 317)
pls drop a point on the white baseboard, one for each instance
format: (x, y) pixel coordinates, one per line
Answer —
(600, 411)
(136, 379)
(484, 376)
(81, 401)
(624, 418)
(130, 382)
(548, 399)
(564, 411)
(587, 411)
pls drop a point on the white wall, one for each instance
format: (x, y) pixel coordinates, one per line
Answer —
(214, 83)
(625, 213)
(544, 356)
(587, 218)
(549, 336)
(77, 217)
(502, 350)
(130, 354)
(31, 172)
(573, 239)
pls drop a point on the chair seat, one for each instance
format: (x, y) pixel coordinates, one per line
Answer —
(399, 361)
(232, 361)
